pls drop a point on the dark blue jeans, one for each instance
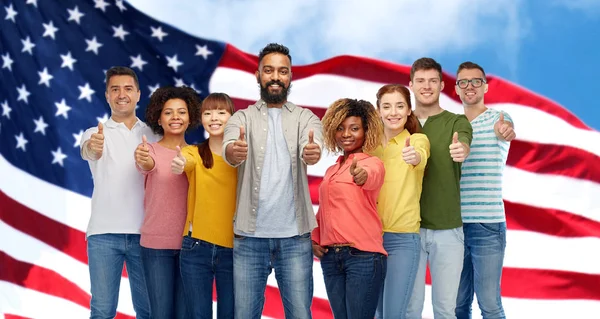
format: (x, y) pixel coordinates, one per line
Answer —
(106, 254)
(203, 263)
(163, 279)
(353, 280)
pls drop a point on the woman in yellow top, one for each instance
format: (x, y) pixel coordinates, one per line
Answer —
(404, 153)
(207, 247)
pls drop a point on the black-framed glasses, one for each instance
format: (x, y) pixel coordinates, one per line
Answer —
(476, 82)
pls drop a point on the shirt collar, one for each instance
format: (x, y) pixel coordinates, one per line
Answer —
(288, 105)
(401, 137)
(112, 124)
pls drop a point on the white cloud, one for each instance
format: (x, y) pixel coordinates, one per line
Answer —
(584, 5)
(395, 30)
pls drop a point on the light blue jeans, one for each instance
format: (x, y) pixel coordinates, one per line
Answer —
(444, 250)
(482, 270)
(106, 254)
(255, 258)
(403, 251)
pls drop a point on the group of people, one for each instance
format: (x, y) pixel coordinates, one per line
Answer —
(412, 186)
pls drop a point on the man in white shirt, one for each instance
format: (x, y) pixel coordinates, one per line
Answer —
(113, 234)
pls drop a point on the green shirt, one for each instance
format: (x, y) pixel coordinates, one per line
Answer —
(440, 199)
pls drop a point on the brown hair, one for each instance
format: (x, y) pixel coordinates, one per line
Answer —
(344, 108)
(122, 70)
(412, 124)
(425, 64)
(214, 101)
(470, 66)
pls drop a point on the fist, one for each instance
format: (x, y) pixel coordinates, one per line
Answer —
(359, 174)
(96, 142)
(178, 162)
(240, 147)
(312, 152)
(409, 155)
(458, 151)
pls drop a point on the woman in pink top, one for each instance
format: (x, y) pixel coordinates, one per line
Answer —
(348, 237)
(171, 112)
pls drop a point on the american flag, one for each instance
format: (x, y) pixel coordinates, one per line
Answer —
(54, 55)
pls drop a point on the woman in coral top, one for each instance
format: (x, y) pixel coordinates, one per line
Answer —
(171, 112)
(404, 153)
(348, 237)
(207, 248)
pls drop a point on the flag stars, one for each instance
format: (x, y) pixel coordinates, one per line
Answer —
(101, 4)
(27, 45)
(67, 61)
(21, 142)
(45, 77)
(93, 45)
(120, 32)
(102, 119)
(50, 30)
(75, 15)
(158, 33)
(120, 5)
(40, 125)
(137, 62)
(62, 109)
(179, 82)
(173, 62)
(6, 109)
(58, 157)
(86, 92)
(203, 51)
(34, 2)
(7, 62)
(10, 13)
(153, 88)
(23, 94)
(77, 137)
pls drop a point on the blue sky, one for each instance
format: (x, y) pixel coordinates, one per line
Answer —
(551, 47)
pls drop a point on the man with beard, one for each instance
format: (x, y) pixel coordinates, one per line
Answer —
(271, 142)
(442, 241)
(484, 222)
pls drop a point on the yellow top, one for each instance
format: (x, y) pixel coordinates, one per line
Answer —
(211, 198)
(398, 203)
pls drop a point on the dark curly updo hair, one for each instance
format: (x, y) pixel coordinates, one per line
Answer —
(162, 95)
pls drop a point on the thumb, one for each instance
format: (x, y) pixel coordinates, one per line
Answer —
(144, 140)
(501, 120)
(353, 166)
(455, 138)
(242, 133)
(178, 148)
(100, 128)
(311, 135)
(407, 144)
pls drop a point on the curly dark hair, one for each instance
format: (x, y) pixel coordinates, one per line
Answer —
(162, 95)
(274, 48)
(344, 108)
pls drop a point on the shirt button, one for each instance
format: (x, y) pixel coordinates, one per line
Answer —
(253, 209)
(264, 129)
(257, 167)
(264, 113)
(255, 188)
(262, 148)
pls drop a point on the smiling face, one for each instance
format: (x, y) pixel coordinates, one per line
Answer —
(174, 118)
(274, 76)
(350, 135)
(122, 95)
(471, 95)
(427, 86)
(394, 112)
(214, 121)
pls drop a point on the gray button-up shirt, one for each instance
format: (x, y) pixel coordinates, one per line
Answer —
(296, 123)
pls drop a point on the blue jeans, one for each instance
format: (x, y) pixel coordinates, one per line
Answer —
(255, 258)
(482, 270)
(203, 263)
(402, 263)
(444, 249)
(106, 254)
(353, 280)
(163, 279)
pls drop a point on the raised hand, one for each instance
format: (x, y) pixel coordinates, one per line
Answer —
(312, 152)
(358, 173)
(142, 155)
(95, 144)
(178, 162)
(409, 155)
(504, 130)
(458, 150)
(240, 147)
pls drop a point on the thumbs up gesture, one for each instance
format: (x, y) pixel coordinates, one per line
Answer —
(240, 147)
(504, 130)
(178, 162)
(409, 155)
(95, 144)
(358, 173)
(312, 152)
(142, 155)
(458, 150)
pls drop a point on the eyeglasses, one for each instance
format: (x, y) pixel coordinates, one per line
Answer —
(476, 82)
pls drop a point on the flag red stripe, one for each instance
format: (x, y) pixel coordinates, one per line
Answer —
(500, 90)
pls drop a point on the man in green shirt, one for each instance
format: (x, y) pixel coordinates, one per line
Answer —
(442, 241)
